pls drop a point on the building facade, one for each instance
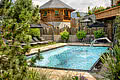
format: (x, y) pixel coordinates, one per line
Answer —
(56, 13)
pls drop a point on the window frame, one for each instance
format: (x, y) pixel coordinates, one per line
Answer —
(45, 13)
(57, 13)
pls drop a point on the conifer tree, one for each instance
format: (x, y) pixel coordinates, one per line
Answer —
(16, 21)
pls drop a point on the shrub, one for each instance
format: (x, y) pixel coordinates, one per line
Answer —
(81, 77)
(27, 38)
(81, 34)
(99, 33)
(111, 62)
(64, 35)
(35, 32)
(33, 74)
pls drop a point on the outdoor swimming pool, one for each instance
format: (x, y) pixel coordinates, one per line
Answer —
(71, 57)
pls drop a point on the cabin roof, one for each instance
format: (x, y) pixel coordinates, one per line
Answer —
(55, 4)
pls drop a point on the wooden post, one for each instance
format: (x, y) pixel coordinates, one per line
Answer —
(41, 32)
(63, 14)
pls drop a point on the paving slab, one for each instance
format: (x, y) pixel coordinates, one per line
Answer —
(55, 74)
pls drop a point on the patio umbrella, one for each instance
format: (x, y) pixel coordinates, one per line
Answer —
(97, 24)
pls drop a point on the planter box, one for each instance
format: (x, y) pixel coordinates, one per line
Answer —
(108, 13)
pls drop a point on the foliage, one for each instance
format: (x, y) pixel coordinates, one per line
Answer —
(64, 35)
(43, 45)
(36, 15)
(99, 33)
(89, 11)
(65, 77)
(79, 77)
(35, 32)
(37, 57)
(117, 34)
(16, 21)
(78, 14)
(112, 60)
(95, 10)
(99, 9)
(112, 63)
(81, 34)
(4, 6)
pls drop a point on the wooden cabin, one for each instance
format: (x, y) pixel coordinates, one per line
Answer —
(56, 13)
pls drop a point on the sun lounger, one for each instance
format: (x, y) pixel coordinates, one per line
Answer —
(42, 39)
(31, 43)
(41, 42)
(36, 39)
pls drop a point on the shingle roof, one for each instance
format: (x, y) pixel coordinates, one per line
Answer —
(55, 4)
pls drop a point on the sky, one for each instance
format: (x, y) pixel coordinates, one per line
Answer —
(79, 5)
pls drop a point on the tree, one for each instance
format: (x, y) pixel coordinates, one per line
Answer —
(4, 6)
(16, 22)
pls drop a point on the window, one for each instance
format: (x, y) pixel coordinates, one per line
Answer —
(45, 13)
(56, 13)
(66, 13)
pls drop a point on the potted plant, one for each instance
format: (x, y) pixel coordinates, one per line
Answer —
(99, 33)
(64, 35)
(81, 34)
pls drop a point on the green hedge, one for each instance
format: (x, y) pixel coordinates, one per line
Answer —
(64, 35)
(81, 34)
(35, 32)
(99, 33)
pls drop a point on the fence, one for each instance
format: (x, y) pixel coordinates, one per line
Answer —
(72, 30)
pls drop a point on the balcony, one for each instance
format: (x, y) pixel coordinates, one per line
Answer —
(108, 13)
(52, 18)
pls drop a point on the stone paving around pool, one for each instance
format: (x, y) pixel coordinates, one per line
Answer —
(56, 73)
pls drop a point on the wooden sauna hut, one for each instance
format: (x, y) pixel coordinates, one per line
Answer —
(57, 13)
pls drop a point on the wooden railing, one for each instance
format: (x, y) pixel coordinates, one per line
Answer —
(108, 13)
(55, 18)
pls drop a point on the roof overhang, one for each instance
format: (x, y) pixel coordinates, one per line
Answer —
(58, 8)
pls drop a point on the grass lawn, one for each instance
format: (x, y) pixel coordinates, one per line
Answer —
(38, 46)
(0, 52)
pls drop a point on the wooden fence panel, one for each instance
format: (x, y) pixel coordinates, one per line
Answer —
(72, 30)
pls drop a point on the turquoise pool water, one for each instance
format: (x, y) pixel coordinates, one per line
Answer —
(71, 57)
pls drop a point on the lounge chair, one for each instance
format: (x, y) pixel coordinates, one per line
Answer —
(41, 42)
(31, 43)
(36, 39)
(42, 39)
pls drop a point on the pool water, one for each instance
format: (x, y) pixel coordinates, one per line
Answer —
(71, 57)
